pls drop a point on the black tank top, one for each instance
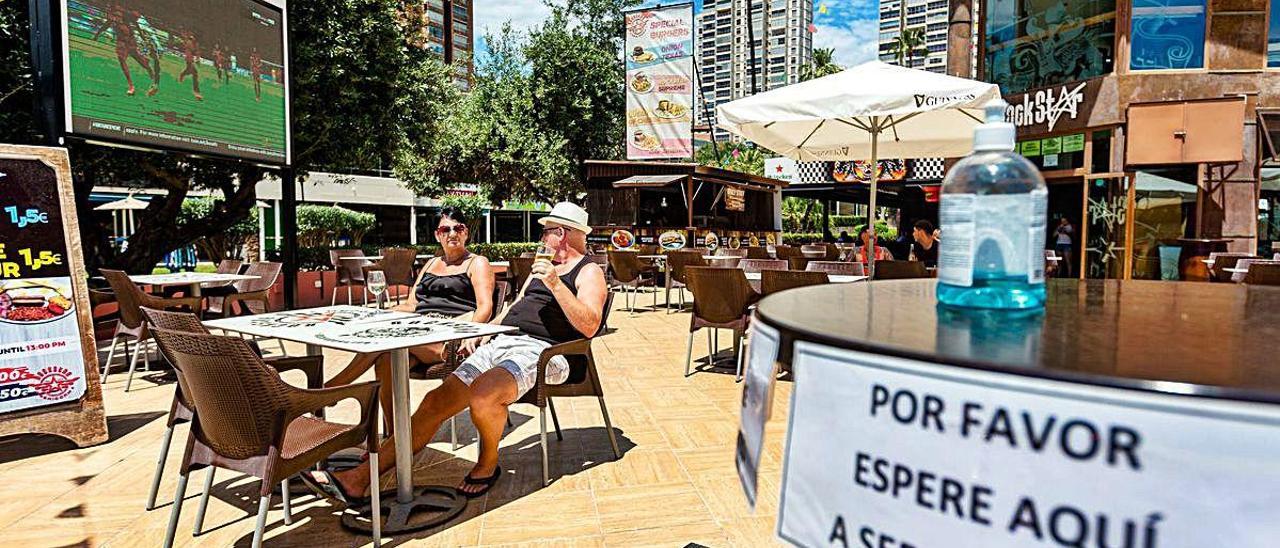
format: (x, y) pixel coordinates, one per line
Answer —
(539, 315)
(448, 295)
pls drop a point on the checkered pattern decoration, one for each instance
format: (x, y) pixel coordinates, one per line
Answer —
(925, 170)
(813, 172)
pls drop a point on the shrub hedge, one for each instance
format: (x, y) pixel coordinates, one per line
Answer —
(317, 257)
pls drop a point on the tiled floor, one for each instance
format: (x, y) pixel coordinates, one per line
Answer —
(675, 484)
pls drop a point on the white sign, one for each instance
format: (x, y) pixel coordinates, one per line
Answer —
(757, 404)
(892, 452)
(782, 169)
(659, 59)
(1050, 160)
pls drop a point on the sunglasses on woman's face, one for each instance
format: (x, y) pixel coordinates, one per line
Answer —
(458, 228)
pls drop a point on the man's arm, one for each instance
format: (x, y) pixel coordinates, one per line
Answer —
(585, 309)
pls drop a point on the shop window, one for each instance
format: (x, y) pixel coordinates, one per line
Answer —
(1167, 34)
(1273, 36)
(1163, 210)
(1031, 44)
(1101, 151)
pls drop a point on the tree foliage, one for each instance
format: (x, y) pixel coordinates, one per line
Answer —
(322, 225)
(734, 155)
(470, 205)
(908, 44)
(222, 245)
(822, 64)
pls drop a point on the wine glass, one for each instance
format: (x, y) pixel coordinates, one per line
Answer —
(377, 284)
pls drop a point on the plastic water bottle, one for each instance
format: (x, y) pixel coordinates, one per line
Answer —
(992, 217)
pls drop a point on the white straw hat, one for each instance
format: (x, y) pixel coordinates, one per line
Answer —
(569, 215)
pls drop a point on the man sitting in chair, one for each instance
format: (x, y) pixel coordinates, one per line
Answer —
(562, 301)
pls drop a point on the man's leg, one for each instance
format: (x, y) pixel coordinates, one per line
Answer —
(439, 404)
(491, 393)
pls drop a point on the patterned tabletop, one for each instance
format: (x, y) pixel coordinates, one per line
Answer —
(355, 328)
(187, 278)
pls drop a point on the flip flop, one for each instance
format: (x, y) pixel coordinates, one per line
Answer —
(332, 490)
(486, 482)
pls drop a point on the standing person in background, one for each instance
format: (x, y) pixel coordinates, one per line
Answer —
(1062, 245)
(255, 66)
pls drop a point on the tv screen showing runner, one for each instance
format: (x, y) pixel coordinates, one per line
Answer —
(203, 76)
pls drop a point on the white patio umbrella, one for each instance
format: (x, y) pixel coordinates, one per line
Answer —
(871, 111)
(127, 205)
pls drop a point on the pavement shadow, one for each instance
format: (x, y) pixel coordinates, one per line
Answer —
(24, 446)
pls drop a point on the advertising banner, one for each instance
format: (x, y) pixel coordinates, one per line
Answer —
(41, 357)
(884, 451)
(659, 60)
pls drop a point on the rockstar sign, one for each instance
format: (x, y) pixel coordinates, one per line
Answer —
(1053, 108)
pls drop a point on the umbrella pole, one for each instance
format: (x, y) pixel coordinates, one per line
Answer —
(871, 208)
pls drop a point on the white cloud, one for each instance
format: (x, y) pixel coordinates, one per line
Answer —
(523, 14)
(855, 41)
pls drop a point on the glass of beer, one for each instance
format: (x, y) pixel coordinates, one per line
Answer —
(543, 253)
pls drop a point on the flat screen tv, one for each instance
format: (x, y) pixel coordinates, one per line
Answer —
(201, 76)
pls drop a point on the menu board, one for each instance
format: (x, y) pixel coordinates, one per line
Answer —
(41, 362)
(659, 56)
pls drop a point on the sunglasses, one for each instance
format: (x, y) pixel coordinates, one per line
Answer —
(557, 230)
(458, 229)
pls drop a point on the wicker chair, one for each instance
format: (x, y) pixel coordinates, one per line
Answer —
(773, 281)
(210, 289)
(251, 295)
(677, 262)
(583, 381)
(630, 272)
(1246, 265)
(397, 265)
(757, 265)
(181, 410)
(722, 298)
(519, 270)
(785, 252)
(726, 252)
(758, 252)
(1263, 274)
(131, 324)
(836, 267)
(350, 272)
(900, 270)
(256, 425)
(800, 263)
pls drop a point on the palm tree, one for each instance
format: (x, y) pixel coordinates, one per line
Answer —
(822, 64)
(908, 43)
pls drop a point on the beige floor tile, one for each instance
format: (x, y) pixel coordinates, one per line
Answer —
(538, 517)
(703, 533)
(641, 467)
(627, 508)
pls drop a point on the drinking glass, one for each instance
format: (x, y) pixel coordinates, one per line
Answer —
(543, 252)
(377, 284)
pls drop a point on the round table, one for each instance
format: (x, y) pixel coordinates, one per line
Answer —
(1118, 396)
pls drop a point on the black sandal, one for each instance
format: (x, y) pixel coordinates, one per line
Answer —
(486, 482)
(332, 490)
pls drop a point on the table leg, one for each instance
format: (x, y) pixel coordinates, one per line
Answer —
(400, 425)
(440, 502)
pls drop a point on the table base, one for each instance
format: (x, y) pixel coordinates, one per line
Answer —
(431, 506)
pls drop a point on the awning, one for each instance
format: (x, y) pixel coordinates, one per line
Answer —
(648, 181)
(1269, 121)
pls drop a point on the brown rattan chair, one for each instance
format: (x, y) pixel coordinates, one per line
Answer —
(800, 263)
(251, 296)
(350, 272)
(518, 271)
(726, 252)
(630, 272)
(583, 381)
(225, 266)
(256, 425)
(397, 265)
(757, 265)
(722, 298)
(677, 261)
(785, 252)
(836, 267)
(131, 324)
(773, 281)
(1263, 274)
(758, 252)
(181, 410)
(833, 252)
(900, 270)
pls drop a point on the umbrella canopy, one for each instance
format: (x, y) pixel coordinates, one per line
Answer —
(868, 112)
(919, 114)
(129, 202)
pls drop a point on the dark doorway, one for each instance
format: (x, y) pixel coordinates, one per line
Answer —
(1066, 200)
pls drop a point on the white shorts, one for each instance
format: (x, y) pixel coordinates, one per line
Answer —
(518, 354)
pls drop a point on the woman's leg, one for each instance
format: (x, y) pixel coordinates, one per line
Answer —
(491, 393)
(357, 367)
(439, 404)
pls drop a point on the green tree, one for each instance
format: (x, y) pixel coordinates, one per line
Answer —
(223, 245)
(907, 45)
(822, 64)
(734, 155)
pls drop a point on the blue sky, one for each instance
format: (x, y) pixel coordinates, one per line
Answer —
(849, 26)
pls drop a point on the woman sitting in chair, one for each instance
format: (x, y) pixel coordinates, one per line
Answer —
(457, 284)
